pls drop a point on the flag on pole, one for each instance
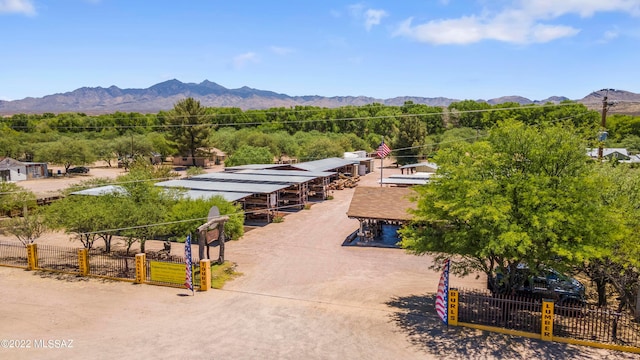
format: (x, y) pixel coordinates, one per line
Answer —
(188, 283)
(383, 150)
(442, 296)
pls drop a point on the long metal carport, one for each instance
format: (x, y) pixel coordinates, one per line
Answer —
(294, 196)
(262, 201)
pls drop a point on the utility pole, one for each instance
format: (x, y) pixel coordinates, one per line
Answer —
(603, 122)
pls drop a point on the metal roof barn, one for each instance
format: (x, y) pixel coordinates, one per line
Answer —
(102, 190)
(229, 196)
(251, 178)
(326, 164)
(224, 186)
(311, 174)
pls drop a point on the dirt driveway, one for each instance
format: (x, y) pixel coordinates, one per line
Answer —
(301, 296)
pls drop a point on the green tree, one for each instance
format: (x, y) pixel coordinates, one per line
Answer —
(189, 126)
(78, 215)
(66, 152)
(198, 209)
(526, 195)
(408, 144)
(15, 198)
(247, 154)
(27, 228)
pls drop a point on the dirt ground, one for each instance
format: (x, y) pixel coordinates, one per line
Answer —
(301, 295)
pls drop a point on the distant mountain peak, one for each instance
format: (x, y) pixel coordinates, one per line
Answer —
(164, 95)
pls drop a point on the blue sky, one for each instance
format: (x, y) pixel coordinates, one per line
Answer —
(464, 49)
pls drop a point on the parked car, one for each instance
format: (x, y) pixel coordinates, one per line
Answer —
(547, 283)
(78, 170)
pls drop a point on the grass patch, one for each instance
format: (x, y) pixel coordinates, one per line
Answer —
(278, 219)
(307, 206)
(220, 274)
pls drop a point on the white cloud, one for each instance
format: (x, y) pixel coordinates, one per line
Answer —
(18, 7)
(242, 60)
(525, 21)
(279, 50)
(371, 17)
(610, 35)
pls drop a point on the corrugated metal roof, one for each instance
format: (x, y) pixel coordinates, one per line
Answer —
(325, 164)
(223, 186)
(102, 190)
(251, 178)
(309, 174)
(422, 164)
(252, 167)
(394, 181)
(229, 196)
(418, 175)
(384, 203)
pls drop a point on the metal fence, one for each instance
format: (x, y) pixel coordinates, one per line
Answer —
(58, 258)
(515, 313)
(581, 322)
(111, 265)
(592, 323)
(13, 254)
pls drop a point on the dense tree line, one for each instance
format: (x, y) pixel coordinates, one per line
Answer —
(305, 132)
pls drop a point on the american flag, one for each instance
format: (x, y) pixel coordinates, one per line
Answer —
(442, 296)
(188, 283)
(383, 150)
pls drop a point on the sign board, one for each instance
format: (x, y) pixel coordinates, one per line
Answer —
(167, 272)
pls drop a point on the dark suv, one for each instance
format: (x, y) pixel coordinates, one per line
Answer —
(547, 283)
(78, 170)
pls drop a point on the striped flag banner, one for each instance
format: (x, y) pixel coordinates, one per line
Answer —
(383, 150)
(442, 296)
(188, 283)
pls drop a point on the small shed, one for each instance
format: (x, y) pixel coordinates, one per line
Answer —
(14, 170)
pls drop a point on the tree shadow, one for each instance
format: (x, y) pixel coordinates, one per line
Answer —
(416, 317)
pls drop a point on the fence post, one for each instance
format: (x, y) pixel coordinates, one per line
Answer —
(547, 320)
(141, 268)
(83, 261)
(205, 274)
(453, 307)
(32, 256)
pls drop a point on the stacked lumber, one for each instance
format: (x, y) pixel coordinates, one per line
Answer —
(343, 182)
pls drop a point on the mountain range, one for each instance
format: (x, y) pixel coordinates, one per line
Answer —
(163, 96)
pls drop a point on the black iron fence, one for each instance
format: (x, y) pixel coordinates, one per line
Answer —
(599, 324)
(111, 265)
(515, 313)
(58, 258)
(578, 321)
(13, 254)
(162, 270)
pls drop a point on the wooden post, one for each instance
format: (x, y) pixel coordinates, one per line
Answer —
(547, 320)
(32, 256)
(452, 318)
(83, 261)
(205, 275)
(141, 268)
